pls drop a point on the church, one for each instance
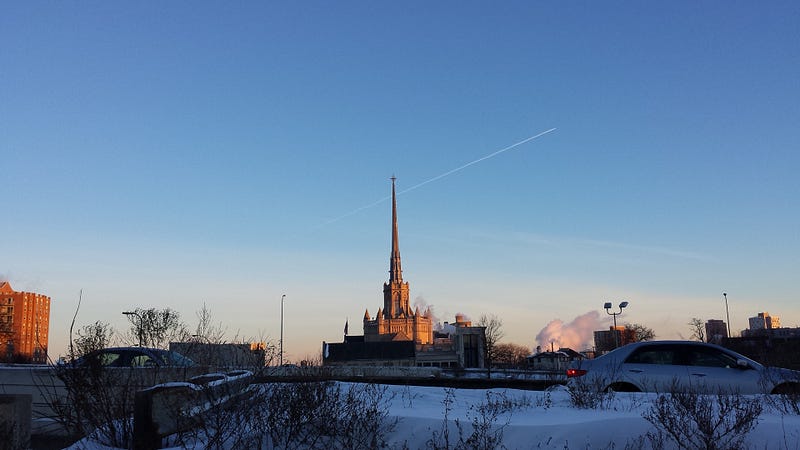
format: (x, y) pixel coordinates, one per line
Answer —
(396, 321)
(401, 336)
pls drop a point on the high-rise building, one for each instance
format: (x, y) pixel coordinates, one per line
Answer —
(24, 325)
(763, 321)
(396, 321)
(716, 330)
(607, 340)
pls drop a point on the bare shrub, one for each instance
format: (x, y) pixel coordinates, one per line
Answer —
(323, 415)
(694, 421)
(486, 433)
(786, 403)
(486, 428)
(225, 424)
(97, 401)
(589, 392)
(440, 440)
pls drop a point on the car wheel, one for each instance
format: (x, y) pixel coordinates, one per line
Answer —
(787, 388)
(622, 387)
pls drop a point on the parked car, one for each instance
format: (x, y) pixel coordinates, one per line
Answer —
(133, 357)
(666, 366)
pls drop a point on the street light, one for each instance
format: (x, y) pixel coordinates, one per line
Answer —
(727, 315)
(608, 306)
(138, 327)
(281, 350)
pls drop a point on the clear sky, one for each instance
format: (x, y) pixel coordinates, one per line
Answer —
(170, 154)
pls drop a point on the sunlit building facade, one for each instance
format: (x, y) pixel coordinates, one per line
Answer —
(24, 325)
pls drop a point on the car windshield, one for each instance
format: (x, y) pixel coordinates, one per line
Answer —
(177, 359)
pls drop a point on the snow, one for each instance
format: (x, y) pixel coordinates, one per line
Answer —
(546, 420)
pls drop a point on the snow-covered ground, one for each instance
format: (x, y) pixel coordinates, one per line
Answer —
(540, 420)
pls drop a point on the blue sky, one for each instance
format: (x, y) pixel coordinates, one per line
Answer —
(174, 154)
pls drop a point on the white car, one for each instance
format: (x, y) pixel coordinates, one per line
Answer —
(667, 366)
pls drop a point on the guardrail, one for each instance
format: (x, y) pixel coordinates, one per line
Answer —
(169, 408)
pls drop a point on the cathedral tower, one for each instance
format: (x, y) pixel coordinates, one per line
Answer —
(396, 320)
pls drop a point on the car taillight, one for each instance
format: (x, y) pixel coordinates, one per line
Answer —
(572, 373)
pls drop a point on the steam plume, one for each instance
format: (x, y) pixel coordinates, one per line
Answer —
(577, 335)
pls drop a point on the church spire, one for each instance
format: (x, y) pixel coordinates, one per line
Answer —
(395, 271)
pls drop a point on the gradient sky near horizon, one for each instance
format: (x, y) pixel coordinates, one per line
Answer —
(171, 154)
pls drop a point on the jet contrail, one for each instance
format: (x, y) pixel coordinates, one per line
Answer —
(439, 177)
(450, 172)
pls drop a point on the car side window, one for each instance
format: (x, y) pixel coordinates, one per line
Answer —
(652, 355)
(142, 361)
(109, 359)
(709, 357)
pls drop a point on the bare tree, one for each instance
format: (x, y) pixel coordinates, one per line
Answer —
(494, 332)
(157, 327)
(511, 355)
(639, 332)
(698, 329)
(92, 337)
(207, 330)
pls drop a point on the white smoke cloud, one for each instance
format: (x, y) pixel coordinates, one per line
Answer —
(577, 335)
(423, 305)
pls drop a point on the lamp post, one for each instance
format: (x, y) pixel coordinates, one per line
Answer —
(727, 314)
(280, 357)
(139, 326)
(607, 307)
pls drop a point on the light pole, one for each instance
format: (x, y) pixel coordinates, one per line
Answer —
(138, 327)
(727, 314)
(280, 357)
(607, 306)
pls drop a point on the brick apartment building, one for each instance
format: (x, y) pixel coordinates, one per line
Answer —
(24, 325)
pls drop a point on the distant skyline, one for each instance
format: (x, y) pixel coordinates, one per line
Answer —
(176, 154)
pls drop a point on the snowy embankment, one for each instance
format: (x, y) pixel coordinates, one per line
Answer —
(435, 417)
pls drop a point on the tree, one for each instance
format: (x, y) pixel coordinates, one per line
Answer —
(639, 332)
(93, 337)
(157, 327)
(698, 329)
(207, 330)
(512, 355)
(494, 332)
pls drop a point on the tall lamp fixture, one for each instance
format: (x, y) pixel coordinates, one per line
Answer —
(727, 315)
(281, 350)
(607, 307)
(139, 326)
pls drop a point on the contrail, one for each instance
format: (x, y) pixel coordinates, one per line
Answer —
(439, 177)
(450, 172)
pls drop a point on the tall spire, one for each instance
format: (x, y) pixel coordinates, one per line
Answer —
(395, 270)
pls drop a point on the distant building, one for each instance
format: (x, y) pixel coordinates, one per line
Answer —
(24, 325)
(716, 330)
(556, 361)
(400, 336)
(763, 321)
(248, 355)
(607, 340)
